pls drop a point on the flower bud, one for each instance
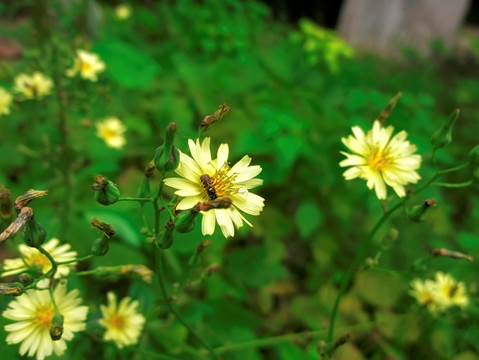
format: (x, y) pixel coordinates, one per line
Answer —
(100, 246)
(186, 221)
(199, 249)
(105, 228)
(144, 189)
(167, 156)
(166, 239)
(106, 192)
(452, 254)
(474, 155)
(25, 199)
(215, 117)
(56, 331)
(141, 270)
(443, 136)
(389, 108)
(418, 212)
(14, 289)
(26, 278)
(33, 234)
(6, 203)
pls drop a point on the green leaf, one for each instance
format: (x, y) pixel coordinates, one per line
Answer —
(308, 218)
(126, 65)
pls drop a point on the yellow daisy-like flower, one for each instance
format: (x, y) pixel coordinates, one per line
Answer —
(88, 65)
(122, 321)
(225, 182)
(424, 292)
(32, 314)
(123, 12)
(34, 86)
(449, 292)
(5, 101)
(111, 130)
(381, 159)
(32, 258)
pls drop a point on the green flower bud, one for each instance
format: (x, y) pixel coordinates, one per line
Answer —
(167, 156)
(33, 234)
(13, 289)
(26, 278)
(418, 212)
(186, 221)
(443, 136)
(6, 203)
(56, 331)
(389, 108)
(166, 239)
(106, 192)
(474, 155)
(100, 246)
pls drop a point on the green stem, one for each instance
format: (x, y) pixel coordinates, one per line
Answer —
(159, 264)
(455, 185)
(130, 198)
(86, 257)
(50, 273)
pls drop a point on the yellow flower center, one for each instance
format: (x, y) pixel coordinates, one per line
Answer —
(222, 183)
(425, 297)
(378, 160)
(85, 66)
(38, 260)
(449, 290)
(108, 133)
(44, 316)
(117, 321)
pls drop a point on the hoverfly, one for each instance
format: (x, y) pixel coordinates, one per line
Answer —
(210, 190)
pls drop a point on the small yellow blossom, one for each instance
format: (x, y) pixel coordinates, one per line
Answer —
(34, 86)
(88, 65)
(424, 292)
(122, 321)
(111, 130)
(5, 101)
(32, 258)
(123, 12)
(381, 160)
(32, 314)
(225, 182)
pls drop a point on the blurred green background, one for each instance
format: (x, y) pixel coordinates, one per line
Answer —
(294, 89)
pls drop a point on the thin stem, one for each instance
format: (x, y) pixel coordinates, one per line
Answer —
(130, 198)
(50, 273)
(454, 185)
(453, 169)
(83, 258)
(159, 263)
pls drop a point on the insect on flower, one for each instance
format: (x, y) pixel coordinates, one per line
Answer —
(207, 184)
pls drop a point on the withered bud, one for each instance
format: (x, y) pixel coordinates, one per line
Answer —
(101, 182)
(6, 203)
(389, 108)
(105, 228)
(165, 240)
(26, 214)
(56, 331)
(25, 199)
(25, 278)
(13, 289)
(203, 245)
(418, 212)
(212, 269)
(215, 117)
(223, 203)
(451, 254)
(145, 273)
(106, 192)
(150, 169)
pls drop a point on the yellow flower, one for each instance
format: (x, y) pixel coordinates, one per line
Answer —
(111, 131)
(88, 65)
(449, 292)
(122, 321)
(226, 182)
(5, 101)
(32, 258)
(381, 160)
(123, 12)
(35, 86)
(425, 292)
(32, 314)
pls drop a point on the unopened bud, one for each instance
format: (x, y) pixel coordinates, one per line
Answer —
(215, 117)
(389, 108)
(6, 203)
(144, 189)
(223, 203)
(166, 238)
(56, 331)
(13, 289)
(100, 246)
(25, 199)
(186, 221)
(451, 254)
(145, 273)
(199, 249)
(105, 228)
(418, 212)
(25, 278)
(212, 269)
(443, 136)
(167, 156)
(106, 192)
(150, 169)
(33, 234)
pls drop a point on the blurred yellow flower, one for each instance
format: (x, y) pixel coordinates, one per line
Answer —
(424, 292)
(88, 65)
(381, 160)
(226, 182)
(122, 321)
(32, 314)
(111, 130)
(34, 86)
(123, 12)
(32, 258)
(5, 101)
